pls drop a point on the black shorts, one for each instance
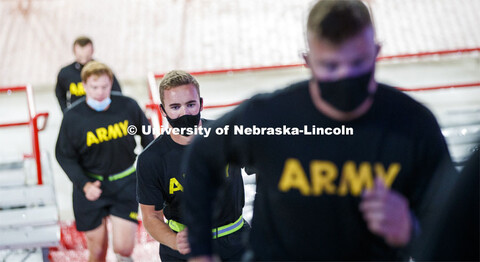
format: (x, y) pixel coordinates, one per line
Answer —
(118, 198)
(229, 248)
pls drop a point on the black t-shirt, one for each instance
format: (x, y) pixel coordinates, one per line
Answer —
(309, 186)
(160, 182)
(69, 83)
(99, 142)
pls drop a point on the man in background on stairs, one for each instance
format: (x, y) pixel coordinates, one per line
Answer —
(69, 86)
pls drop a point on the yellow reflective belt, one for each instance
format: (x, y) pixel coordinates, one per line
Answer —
(216, 232)
(122, 174)
(176, 226)
(97, 177)
(114, 177)
(228, 229)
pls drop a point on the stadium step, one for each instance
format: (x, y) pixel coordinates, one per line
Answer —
(26, 196)
(12, 174)
(28, 217)
(30, 236)
(28, 213)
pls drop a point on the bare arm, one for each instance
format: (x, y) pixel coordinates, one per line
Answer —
(155, 225)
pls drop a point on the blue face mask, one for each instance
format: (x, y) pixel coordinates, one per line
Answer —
(99, 105)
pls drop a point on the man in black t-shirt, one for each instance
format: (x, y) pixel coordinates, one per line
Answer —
(342, 162)
(69, 87)
(95, 148)
(160, 180)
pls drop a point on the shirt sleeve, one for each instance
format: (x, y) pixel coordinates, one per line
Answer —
(68, 158)
(431, 182)
(149, 188)
(204, 164)
(61, 93)
(434, 166)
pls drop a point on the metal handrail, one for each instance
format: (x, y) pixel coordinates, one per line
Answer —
(32, 123)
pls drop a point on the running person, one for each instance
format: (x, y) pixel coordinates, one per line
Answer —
(160, 180)
(96, 151)
(69, 87)
(323, 197)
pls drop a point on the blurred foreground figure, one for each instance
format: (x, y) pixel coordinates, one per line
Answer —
(343, 161)
(453, 234)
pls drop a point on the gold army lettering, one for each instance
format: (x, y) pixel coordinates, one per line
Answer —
(323, 174)
(77, 89)
(175, 186)
(108, 133)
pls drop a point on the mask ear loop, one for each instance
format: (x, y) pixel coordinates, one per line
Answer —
(164, 111)
(201, 104)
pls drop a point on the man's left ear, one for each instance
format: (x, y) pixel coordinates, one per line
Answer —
(201, 103)
(162, 110)
(305, 59)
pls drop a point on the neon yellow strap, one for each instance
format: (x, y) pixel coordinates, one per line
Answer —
(122, 174)
(114, 177)
(175, 226)
(217, 232)
(97, 177)
(228, 229)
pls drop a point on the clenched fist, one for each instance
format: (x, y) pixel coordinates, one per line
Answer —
(387, 214)
(92, 190)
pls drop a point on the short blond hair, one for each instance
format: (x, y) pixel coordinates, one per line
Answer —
(338, 21)
(82, 41)
(94, 68)
(174, 79)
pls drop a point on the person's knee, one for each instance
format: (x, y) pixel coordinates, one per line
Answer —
(97, 254)
(123, 236)
(124, 250)
(97, 243)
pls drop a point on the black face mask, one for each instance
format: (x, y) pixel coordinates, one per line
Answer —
(346, 94)
(184, 121)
